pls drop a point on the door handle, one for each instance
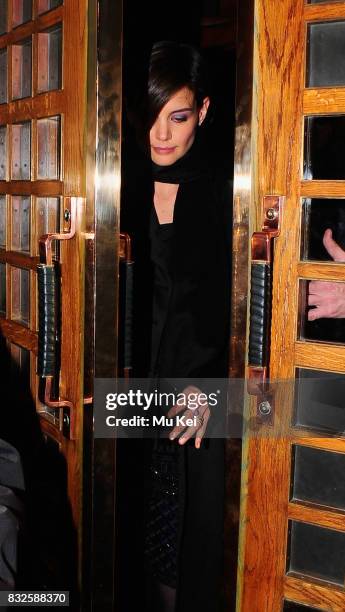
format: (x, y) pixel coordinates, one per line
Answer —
(126, 307)
(261, 294)
(48, 299)
(126, 282)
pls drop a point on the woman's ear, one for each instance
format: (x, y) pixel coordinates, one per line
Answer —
(203, 110)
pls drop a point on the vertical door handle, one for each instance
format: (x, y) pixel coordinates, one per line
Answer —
(126, 309)
(48, 300)
(261, 293)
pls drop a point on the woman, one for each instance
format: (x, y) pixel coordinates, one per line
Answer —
(189, 244)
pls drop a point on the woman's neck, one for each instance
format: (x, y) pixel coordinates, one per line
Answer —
(164, 201)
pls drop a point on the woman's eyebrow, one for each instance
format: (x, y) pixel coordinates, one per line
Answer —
(182, 110)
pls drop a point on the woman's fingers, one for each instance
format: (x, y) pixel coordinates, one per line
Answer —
(189, 431)
(190, 394)
(201, 432)
(176, 409)
(178, 429)
(190, 425)
(184, 427)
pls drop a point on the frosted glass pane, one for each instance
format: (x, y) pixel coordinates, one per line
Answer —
(3, 152)
(325, 54)
(48, 219)
(2, 222)
(318, 477)
(48, 148)
(3, 288)
(320, 214)
(319, 401)
(317, 552)
(21, 11)
(21, 151)
(3, 76)
(323, 148)
(20, 212)
(321, 1)
(291, 606)
(327, 328)
(47, 5)
(20, 295)
(50, 59)
(3, 16)
(20, 360)
(21, 70)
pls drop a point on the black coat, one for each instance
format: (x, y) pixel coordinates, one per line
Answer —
(193, 344)
(195, 336)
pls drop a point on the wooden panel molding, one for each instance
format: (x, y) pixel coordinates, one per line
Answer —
(324, 12)
(325, 189)
(324, 101)
(321, 441)
(330, 519)
(38, 188)
(46, 104)
(308, 593)
(321, 271)
(320, 356)
(19, 334)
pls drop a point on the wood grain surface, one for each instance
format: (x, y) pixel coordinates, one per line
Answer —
(330, 598)
(69, 103)
(281, 101)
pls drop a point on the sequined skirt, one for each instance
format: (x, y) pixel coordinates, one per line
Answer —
(162, 512)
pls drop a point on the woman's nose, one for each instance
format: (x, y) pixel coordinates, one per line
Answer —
(163, 131)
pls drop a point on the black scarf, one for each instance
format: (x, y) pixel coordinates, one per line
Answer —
(190, 167)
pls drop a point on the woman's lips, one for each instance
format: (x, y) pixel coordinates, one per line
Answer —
(164, 150)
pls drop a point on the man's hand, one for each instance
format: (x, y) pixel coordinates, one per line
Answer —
(328, 297)
(332, 247)
(200, 414)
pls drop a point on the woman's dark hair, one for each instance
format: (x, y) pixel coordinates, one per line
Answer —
(174, 65)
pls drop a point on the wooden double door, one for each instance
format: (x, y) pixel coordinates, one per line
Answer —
(60, 137)
(58, 178)
(290, 146)
(42, 191)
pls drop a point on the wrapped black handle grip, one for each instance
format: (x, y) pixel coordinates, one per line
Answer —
(128, 322)
(260, 314)
(47, 315)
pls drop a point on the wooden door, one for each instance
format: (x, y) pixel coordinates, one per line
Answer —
(292, 513)
(42, 181)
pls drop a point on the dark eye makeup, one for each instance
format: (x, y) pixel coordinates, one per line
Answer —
(180, 118)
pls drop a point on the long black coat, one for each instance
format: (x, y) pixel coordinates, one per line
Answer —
(193, 344)
(195, 335)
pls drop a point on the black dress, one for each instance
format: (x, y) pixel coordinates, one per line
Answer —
(161, 236)
(190, 342)
(162, 481)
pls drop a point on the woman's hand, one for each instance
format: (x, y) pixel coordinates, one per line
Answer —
(198, 415)
(328, 297)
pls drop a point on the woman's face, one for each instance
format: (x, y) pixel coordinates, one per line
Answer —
(173, 132)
